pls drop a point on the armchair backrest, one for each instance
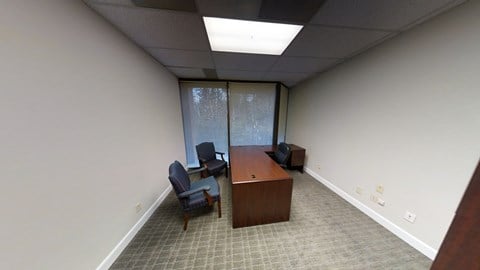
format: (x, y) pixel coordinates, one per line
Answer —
(178, 176)
(283, 153)
(206, 151)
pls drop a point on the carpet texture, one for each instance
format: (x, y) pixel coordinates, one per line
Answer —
(324, 232)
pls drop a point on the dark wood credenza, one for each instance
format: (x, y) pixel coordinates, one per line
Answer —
(297, 158)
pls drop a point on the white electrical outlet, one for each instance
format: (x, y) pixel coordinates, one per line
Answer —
(138, 207)
(380, 202)
(410, 217)
(377, 200)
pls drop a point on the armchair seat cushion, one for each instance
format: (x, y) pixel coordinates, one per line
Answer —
(198, 199)
(216, 165)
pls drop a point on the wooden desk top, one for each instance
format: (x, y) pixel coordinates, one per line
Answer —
(252, 164)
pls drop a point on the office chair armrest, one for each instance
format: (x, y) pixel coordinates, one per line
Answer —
(196, 171)
(193, 191)
(221, 155)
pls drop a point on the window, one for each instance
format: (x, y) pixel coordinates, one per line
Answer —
(252, 113)
(248, 109)
(204, 106)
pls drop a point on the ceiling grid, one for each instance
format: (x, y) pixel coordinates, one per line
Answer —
(172, 31)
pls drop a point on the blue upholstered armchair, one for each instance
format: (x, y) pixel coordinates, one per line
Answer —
(208, 158)
(195, 194)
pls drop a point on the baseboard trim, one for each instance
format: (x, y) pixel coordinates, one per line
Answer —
(117, 250)
(395, 229)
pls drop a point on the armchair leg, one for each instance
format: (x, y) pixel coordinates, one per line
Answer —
(208, 197)
(185, 221)
(204, 174)
(219, 209)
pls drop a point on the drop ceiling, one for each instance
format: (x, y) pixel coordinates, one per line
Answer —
(172, 31)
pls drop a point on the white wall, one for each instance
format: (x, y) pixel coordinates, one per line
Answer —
(405, 115)
(88, 126)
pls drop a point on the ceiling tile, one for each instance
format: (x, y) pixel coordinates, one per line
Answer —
(210, 73)
(298, 11)
(113, 2)
(229, 8)
(302, 64)
(243, 61)
(320, 41)
(239, 75)
(290, 79)
(187, 73)
(181, 5)
(290, 84)
(376, 14)
(182, 58)
(286, 76)
(158, 28)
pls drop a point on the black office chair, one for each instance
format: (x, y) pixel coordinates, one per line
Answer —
(208, 158)
(282, 154)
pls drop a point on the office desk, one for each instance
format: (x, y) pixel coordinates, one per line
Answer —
(261, 189)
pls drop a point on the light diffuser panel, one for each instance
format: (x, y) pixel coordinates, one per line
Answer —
(229, 35)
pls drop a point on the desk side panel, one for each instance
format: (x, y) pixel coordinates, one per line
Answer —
(261, 202)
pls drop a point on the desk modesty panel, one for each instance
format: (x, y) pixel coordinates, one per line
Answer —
(261, 189)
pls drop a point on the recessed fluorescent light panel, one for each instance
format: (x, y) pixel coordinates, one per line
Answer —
(228, 35)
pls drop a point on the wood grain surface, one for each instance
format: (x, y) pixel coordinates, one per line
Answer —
(261, 189)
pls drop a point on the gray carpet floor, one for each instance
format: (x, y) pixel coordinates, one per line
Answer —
(324, 232)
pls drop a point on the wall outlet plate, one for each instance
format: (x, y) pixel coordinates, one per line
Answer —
(380, 202)
(409, 216)
(138, 207)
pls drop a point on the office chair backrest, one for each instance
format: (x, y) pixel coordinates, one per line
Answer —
(178, 177)
(283, 153)
(206, 151)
